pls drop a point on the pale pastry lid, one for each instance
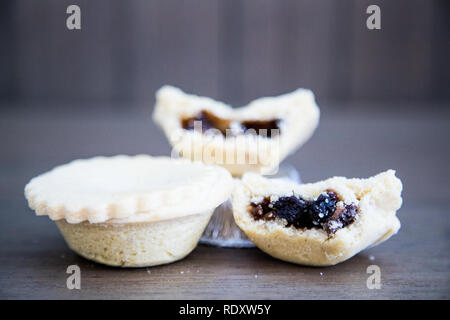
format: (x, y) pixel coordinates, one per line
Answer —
(128, 189)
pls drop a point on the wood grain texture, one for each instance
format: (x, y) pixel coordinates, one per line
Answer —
(414, 264)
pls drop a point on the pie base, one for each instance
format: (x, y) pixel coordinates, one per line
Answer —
(142, 244)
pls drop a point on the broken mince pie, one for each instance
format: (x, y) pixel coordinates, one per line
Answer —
(130, 211)
(256, 137)
(321, 223)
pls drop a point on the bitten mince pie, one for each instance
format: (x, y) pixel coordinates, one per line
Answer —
(130, 211)
(256, 137)
(321, 223)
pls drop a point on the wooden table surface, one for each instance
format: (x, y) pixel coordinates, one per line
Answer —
(414, 264)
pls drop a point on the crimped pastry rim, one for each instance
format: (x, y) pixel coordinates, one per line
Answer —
(196, 196)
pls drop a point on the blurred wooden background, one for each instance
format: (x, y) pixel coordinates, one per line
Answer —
(98, 86)
(232, 50)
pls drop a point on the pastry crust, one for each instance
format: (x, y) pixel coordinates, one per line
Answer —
(297, 111)
(141, 244)
(123, 189)
(378, 199)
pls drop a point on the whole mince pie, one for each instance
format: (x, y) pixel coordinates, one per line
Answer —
(320, 223)
(264, 132)
(130, 211)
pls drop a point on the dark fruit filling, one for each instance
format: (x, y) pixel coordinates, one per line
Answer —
(322, 213)
(210, 121)
(257, 125)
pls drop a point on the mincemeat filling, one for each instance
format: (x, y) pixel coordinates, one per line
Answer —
(326, 212)
(211, 121)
